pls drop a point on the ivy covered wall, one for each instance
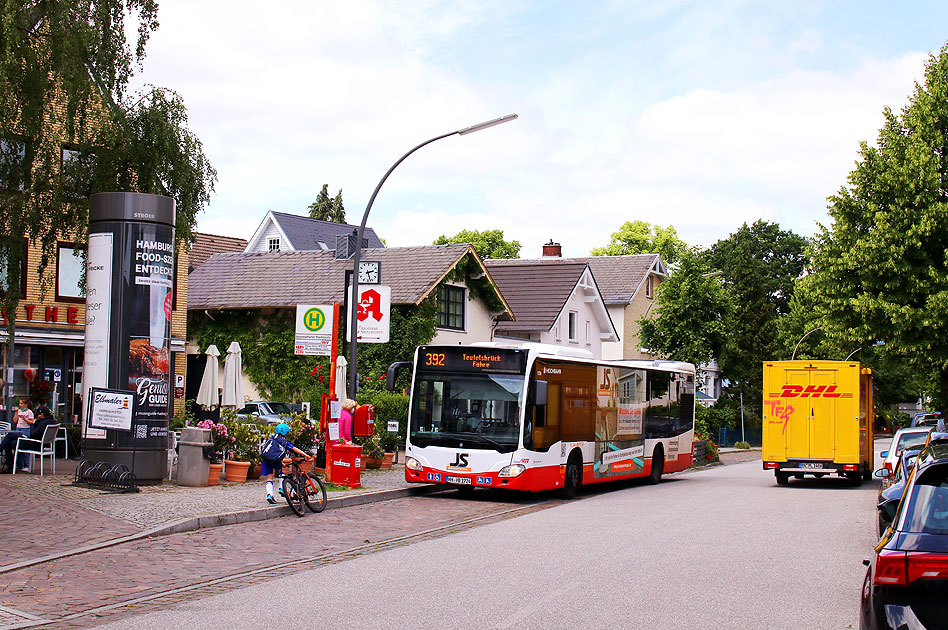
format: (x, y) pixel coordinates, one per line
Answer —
(266, 338)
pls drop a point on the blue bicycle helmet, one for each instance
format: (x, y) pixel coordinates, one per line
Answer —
(282, 428)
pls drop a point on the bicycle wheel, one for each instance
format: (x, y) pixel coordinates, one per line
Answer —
(315, 493)
(293, 496)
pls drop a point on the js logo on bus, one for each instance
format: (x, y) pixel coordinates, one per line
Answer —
(459, 460)
(810, 391)
(314, 319)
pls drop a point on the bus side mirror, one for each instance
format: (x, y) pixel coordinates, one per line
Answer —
(541, 392)
(392, 373)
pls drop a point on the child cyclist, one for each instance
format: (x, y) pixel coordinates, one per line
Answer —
(272, 453)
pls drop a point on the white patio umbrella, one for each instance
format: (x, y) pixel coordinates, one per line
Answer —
(207, 394)
(341, 386)
(233, 395)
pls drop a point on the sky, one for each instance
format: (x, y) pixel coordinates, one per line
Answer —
(696, 114)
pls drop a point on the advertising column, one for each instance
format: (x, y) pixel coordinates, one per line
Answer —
(130, 289)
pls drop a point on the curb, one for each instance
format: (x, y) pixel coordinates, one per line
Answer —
(228, 518)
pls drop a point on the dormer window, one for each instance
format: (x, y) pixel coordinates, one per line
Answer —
(273, 244)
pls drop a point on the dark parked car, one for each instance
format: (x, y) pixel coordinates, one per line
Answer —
(892, 486)
(906, 585)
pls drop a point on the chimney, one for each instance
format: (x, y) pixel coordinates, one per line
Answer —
(345, 245)
(552, 250)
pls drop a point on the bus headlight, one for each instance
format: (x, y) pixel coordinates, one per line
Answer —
(413, 464)
(514, 470)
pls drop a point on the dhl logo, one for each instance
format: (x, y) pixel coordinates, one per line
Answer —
(810, 391)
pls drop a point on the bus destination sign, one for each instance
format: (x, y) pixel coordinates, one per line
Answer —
(471, 359)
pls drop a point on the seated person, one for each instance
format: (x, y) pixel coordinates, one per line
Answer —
(43, 418)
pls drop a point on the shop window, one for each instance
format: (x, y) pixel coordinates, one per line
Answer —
(4, 268)
(69, 264)
(451, 307)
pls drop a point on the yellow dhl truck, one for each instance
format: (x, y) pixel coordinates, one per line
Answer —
(817, 419)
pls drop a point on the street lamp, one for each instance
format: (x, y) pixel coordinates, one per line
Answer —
(801, 340)
(354, 305)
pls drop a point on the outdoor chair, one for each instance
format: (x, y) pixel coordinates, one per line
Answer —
(43, 447)
(5, 426)
(63, 436)
(173, 437)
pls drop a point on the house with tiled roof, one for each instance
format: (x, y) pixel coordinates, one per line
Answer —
(627, 286)
(450, 282)
(283, 232)
(206, 245)
(556, 302)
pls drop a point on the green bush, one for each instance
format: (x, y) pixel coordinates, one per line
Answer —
(743, 445)
(389, 406)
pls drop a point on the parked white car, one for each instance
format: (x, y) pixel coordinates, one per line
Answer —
(906, 437)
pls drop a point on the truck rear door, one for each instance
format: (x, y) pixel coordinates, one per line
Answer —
(822, 412)
(797, 413)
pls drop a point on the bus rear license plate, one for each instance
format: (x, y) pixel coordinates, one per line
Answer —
(815, 465)
(463, 481)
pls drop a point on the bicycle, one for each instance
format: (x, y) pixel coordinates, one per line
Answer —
(301, 488)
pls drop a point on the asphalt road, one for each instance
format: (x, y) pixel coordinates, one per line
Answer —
(718, 548)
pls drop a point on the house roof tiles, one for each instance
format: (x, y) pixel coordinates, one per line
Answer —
(536, 293)
(305, 233)
(206, 245)
(285, 279)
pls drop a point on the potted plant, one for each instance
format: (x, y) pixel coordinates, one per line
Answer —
(221, 441)
(372, 451)
(243, 449)
(390, 443)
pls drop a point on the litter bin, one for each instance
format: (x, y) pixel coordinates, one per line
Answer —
(344, 464)
(193, 467)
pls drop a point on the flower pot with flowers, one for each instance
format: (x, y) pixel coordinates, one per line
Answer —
(220, 442)
(244, 448)
(372, 451)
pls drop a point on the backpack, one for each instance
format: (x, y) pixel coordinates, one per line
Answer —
(272, 450)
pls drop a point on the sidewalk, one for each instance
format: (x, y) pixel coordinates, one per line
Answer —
(49, 517)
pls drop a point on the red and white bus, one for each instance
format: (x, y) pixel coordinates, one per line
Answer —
(539, 417)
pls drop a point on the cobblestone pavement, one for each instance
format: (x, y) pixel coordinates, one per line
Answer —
(57, 591)
(83, 516)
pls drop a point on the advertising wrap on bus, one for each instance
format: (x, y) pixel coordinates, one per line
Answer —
(531, 419)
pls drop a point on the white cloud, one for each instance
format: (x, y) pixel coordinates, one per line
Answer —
(288, 97)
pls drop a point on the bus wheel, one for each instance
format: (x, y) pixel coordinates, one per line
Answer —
(782, 478)
(658, 464)
(573, 479)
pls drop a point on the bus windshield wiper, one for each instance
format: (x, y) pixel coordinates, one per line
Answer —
(484, 438)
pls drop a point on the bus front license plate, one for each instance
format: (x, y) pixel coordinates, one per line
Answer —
(463, 481)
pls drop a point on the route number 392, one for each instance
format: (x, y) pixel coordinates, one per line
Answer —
(434, 359)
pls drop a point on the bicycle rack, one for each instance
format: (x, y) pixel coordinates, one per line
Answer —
(117, 478)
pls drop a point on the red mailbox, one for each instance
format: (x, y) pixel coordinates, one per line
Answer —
(344, 464)
(363, 424)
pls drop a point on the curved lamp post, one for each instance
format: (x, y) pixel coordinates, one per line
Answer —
(801, 340)
(354, 305)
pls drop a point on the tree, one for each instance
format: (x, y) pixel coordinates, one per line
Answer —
(487, 243)
(880, 268)
(68, 128)
(326, 208)
(691, 320)
(639, 237)
(759, 266)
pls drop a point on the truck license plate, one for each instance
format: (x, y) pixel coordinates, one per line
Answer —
(464, 481)
(813, 465)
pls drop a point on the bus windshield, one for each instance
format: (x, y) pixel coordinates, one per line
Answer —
(476, 410)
